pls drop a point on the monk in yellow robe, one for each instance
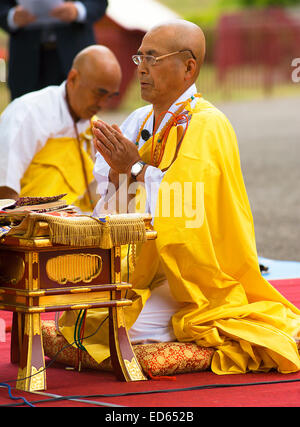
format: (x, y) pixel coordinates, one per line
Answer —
(203, 268)
(45, 136)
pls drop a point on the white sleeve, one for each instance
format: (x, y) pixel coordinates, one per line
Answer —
(101, 171)
(81, 9)
(101, 168)
(20, 138)
(153, 179)
(10, 19)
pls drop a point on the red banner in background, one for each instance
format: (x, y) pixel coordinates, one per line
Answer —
(2, 330)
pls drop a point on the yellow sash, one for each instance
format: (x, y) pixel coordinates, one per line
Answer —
(57, 168)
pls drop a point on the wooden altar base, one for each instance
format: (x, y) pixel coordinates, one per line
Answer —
(38, 277)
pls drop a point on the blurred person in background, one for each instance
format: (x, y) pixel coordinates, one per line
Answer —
(41, 54)
(45, 135)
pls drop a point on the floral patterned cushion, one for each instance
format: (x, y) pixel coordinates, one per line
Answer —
(56, 346)
(156, 359)
(170, 358)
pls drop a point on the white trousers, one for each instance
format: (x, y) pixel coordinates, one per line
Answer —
(154, 322)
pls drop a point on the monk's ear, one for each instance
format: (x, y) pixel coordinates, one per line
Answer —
(73, 76)
(190, 68)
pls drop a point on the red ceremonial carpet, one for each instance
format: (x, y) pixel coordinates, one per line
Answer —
(204, 389)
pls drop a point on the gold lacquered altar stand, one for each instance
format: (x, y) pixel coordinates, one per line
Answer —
(39, 276)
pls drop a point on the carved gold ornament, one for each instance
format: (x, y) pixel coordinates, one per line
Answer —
(134, 370)
(74, 268)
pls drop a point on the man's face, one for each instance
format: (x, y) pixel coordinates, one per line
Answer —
(162, 82)
(88, 94)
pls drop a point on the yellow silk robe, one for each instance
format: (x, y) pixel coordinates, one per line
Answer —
(209, 257)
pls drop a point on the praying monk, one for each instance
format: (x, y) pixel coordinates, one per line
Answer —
(199, 281)
(45, 136)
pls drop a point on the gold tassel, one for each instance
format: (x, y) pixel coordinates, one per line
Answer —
(113, 230)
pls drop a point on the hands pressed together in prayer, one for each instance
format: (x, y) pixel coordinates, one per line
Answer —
(118, 151)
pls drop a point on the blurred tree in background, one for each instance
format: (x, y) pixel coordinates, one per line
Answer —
(266, 3)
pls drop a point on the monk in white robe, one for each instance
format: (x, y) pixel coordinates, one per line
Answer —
(45, 136)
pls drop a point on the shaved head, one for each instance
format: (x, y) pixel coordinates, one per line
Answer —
(94, 78)
(95, 59)
(179, 34)
(179, 47)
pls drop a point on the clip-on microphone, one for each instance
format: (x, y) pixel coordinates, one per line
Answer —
(145, 134)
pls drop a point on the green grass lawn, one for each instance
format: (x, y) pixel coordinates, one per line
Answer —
(204, 12)
(189, 7)
(4, 96)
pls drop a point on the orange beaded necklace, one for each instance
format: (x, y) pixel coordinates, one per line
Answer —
(157, 152)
